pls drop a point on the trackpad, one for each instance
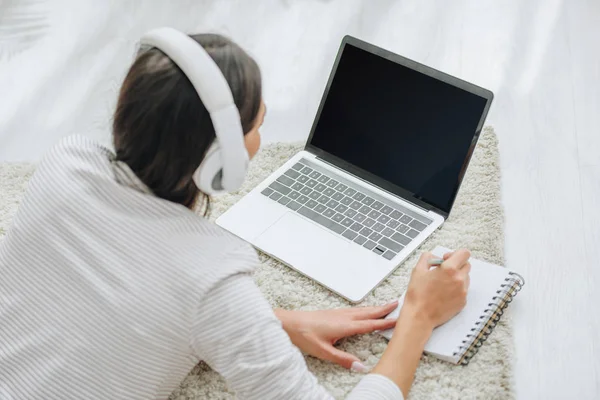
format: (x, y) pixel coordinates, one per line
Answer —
(317, 252)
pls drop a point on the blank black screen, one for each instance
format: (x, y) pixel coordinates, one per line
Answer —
(403, 126)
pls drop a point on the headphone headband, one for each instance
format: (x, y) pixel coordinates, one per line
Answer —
(230, 160)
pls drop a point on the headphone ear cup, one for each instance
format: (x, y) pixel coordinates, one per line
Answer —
(209, 174)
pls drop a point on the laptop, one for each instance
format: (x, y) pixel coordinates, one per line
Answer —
(379, 173)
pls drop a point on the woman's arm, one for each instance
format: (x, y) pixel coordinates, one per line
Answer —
(432, 298)
(236, 332)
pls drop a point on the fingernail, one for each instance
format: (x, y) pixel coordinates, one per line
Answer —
(359, 367)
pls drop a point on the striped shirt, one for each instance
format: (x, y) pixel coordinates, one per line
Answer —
(109, 292)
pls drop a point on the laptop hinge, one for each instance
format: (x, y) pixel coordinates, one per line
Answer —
(369, 183)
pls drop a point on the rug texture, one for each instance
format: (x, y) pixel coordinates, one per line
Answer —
(476, 223)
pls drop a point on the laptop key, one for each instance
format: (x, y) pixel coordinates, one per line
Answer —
(401, 239)
(356, 226)
(341, 208)
(311, 183)
(332, 183)
(280, 188)
(293, 205)
(355, 205)
(303, 179)
(292, 174)
(368, 222)
(384, 219)
(360, 239)
(378, 227)
(287, 181)
(337, 196)
(390, 244)
(358, 196)
(329, 213)
(374, 214)
(402, 228)
(338, 217)
(388, 255)
(314, 174)
(412, 233)
(297, 186)
(323, 199)
(306, 170)
(350, 213)
(375, 236)
(310, 204)
(298, 166)
(306, 190)
(350, 234)
(350, 192)
(377, 205)
(294, 195)
(284, 200)
(332, 204)
(323, 179)
(396, 214)
(359, 217)
(418, 225)
(393, 224)
(314, 195)
(386, 210)
(369, 244)
(320, 208)
(348, 202)
(318, 218)
(388, 232)
(368, 201)
(303, 199)
(365, 209)
(341, 187)
(405, 219)
(329, 192)
(275, 196)
(267, 191)
(320, 187)
(347, 222)
(366, 231)
(379, 250)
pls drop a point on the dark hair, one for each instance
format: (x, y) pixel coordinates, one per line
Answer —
(161, 129)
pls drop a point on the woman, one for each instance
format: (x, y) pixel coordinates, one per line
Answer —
(112, 287)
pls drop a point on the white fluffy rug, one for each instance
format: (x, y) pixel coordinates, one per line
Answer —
(476, 223)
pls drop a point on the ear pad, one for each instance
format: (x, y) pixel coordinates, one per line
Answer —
(209, 175)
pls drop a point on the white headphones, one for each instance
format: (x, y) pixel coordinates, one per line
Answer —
(226, 162)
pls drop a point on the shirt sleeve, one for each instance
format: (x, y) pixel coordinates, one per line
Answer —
(236, 332)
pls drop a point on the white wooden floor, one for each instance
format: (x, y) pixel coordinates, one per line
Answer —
(540, 57)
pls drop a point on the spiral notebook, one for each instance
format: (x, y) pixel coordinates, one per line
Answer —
(492, 288)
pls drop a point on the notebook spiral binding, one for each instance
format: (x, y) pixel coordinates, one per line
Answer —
(488, 321)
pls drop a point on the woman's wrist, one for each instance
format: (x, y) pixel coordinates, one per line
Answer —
(401, 358)
(410, 315)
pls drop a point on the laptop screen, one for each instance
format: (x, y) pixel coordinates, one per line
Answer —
(404, 127)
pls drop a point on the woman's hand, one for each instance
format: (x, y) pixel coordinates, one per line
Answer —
(316, 332)
(440, 293)
(432, 298)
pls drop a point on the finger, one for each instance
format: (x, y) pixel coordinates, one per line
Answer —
(457, 260)
(448, 255)
(368, 326)
(466, 269)
(344, 359)
(423, 263)
(375, 312)
(467, 282)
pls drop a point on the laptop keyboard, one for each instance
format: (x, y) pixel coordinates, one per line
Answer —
(348, 210)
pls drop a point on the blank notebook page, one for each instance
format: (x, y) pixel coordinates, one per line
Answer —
(447, 339)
